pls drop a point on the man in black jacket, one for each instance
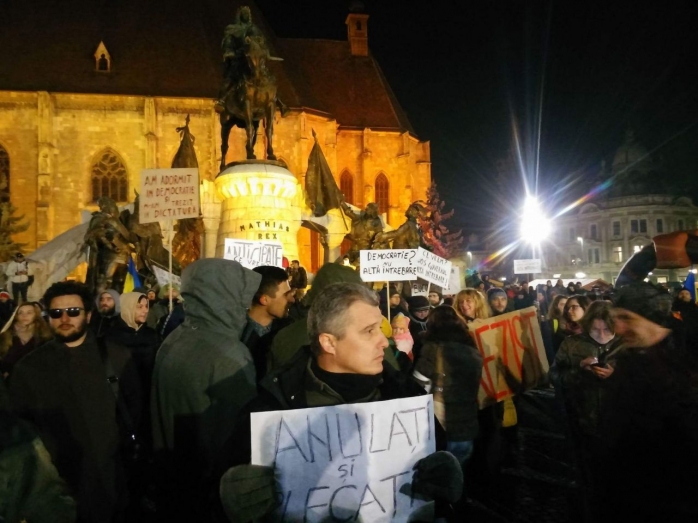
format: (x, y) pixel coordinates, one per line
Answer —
(107, 314)
(62, 388)
(344, 364)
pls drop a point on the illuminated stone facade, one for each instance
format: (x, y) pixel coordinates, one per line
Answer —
(55, 138)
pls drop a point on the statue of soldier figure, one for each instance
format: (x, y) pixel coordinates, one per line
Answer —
(233, 52)
(365, 226)
(408, 235)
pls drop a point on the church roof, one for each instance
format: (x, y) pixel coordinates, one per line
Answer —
(172, 48)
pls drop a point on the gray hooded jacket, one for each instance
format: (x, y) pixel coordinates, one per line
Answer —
(203, 374)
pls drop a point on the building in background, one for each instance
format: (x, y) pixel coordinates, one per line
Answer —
(91, 94)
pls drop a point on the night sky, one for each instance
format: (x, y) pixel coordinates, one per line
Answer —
(581, 73)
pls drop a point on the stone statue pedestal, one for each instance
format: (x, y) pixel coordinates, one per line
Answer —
(261, 200)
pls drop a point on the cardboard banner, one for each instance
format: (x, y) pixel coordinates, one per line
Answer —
(388, 265)
(168, 194)
(433, 268)
(345, 463)
(252, 253)
(513, 354)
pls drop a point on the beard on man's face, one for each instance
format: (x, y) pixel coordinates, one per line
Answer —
(71, 335)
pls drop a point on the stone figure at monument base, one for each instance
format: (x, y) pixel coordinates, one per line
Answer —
(408, 235)
(365, 226)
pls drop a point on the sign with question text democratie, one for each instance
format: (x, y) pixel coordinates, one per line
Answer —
(388, 265)
(168, 194)
(253, 253)
(348, 462)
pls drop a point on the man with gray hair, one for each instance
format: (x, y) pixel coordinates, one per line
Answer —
(343, 364)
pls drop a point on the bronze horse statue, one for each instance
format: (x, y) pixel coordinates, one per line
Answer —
(250, 100)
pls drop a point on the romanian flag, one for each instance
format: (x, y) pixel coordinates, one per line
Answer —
(132, 280)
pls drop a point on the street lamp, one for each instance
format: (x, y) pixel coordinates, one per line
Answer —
(535, 226)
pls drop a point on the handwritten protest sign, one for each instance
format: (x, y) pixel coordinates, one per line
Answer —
(388, 265)
(514, 338)
(345, 463)
(419, 288)
(433, 268)
(169, 194)
(252, 253)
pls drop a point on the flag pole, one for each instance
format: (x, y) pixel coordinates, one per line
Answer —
(169, 242)
(387, 297)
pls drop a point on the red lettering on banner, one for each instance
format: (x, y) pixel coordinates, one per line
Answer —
(517, 343)
(529, 323)
(486, 381)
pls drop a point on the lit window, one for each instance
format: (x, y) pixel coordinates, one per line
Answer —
(382, 193)
(102, 59)
(618, 254)
(346, 185)
(109, 178)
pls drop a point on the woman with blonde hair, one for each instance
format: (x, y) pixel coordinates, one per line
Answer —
(22, 333)
(470, 304)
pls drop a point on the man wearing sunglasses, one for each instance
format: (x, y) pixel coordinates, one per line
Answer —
(62, 388)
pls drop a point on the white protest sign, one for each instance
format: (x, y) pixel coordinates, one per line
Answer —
(419, 288)
(252, 253)
(345, 463)
(388, 264)
(454, 282)
(433, 268)
(163, 276)
(169, 194)
(532, 266)
(515, 338)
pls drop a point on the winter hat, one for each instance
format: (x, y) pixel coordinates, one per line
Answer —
(115, 297)
(164, 293)
(646, 300)
(4, 294)
(495, 291)
(418, 303)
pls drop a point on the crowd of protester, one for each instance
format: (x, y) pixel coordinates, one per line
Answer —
(136, 406)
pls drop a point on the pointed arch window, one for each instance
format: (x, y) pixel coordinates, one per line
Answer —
(109, 177)
(346, 185)
(4, 175)
(382, 193)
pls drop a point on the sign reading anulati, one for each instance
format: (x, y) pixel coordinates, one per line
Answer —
(532, 266)
(251, 254)
(169, 194)
(345, 463)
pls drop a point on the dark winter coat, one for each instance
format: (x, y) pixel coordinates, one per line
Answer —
(581, 389)
(203, 374)
(30, 487)
(455, 369)
(64, 392)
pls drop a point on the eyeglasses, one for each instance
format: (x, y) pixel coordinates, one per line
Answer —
(72, 312)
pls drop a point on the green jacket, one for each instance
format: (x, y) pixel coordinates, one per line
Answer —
(30, 487)
(203, 374)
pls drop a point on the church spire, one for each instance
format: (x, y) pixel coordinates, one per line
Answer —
(357, 29)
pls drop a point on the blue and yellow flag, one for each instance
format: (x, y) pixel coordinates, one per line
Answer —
(132, 280)
(690, 284)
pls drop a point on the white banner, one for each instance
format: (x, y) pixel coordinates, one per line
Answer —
(163, 277)
(527, 266)
(454, 281)
(251, 253)
(433, 268)
(388, 264)
(419, 288)
(345, 463)
(169, 194)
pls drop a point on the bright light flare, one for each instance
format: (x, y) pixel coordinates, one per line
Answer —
(535, 226)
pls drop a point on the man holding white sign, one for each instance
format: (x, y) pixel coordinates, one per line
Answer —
(342, 366)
